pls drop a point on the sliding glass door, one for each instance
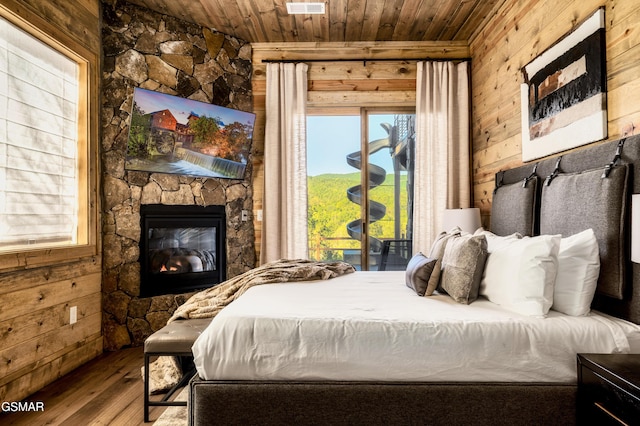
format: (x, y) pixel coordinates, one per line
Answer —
(356, 203)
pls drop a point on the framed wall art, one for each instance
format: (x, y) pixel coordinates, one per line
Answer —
(564, 97)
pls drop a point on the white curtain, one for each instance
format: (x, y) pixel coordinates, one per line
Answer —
(284, 222)
(442, 167)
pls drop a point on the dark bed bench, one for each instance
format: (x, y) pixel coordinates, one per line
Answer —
(174, 339)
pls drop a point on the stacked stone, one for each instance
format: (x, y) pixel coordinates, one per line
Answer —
(145, 49)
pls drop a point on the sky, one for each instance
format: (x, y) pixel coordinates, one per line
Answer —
(331, 138)
(150, 101)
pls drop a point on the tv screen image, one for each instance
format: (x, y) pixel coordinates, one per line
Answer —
(170, 134)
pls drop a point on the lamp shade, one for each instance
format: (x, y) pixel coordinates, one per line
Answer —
(467, 220)
(635, 228)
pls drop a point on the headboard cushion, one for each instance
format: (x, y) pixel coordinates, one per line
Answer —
(513, 207)
(592, 157)
(574, 202)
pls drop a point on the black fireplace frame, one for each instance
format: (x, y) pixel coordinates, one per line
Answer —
(181, 216)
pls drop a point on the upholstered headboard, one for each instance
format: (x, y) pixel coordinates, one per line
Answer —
(589, 188)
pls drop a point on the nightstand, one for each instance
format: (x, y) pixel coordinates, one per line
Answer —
(608, 389)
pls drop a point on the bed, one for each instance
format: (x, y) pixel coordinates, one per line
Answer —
(363, 358)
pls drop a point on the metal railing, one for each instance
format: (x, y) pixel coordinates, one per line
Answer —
(326, 248)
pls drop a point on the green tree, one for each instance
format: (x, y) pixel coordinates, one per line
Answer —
(205, 130)
(139, 131)
(330, 211)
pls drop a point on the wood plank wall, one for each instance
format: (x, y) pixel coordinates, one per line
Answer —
(345, 75)
(37, 343)
(518, 33)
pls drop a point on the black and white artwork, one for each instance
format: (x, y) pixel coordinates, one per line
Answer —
(564, 97)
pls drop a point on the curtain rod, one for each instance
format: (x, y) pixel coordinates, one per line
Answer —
(368, 60)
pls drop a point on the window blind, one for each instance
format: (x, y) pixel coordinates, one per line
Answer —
(39, 92)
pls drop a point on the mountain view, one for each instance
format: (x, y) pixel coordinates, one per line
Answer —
(330, 211)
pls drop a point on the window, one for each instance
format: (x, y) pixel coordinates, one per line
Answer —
(43, 142)
(342, 188)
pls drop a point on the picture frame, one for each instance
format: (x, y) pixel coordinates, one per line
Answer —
(564, 96)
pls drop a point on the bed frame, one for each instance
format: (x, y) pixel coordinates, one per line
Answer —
(366, 403)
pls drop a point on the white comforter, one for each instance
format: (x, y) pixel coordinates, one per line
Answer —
(370, 326)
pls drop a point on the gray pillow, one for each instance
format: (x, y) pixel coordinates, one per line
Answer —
(419, 270)
(437, 252)
(462, 267)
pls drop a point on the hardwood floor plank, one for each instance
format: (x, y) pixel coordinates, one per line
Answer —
(106, 407)
(106, 391)
(80, 388)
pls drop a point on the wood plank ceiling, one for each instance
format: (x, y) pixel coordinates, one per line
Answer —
(267, 21)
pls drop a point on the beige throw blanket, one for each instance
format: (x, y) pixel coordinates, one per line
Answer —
(164, 373)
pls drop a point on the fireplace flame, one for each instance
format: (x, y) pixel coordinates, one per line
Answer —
(163, 268)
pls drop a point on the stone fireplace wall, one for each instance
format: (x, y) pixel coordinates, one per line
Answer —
(142, 48)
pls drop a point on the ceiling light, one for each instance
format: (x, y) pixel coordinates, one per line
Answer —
(305, 8)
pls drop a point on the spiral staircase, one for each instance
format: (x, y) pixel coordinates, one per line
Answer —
(397, 142)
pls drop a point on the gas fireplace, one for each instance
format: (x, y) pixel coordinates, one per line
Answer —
(182, 248)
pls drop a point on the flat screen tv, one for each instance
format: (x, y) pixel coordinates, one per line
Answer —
(170, 134)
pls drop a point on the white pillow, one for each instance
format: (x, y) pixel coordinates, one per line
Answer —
(495, 242)
(520, 274)
(578, 271)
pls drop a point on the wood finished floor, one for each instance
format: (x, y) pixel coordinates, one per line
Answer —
(106, 391)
